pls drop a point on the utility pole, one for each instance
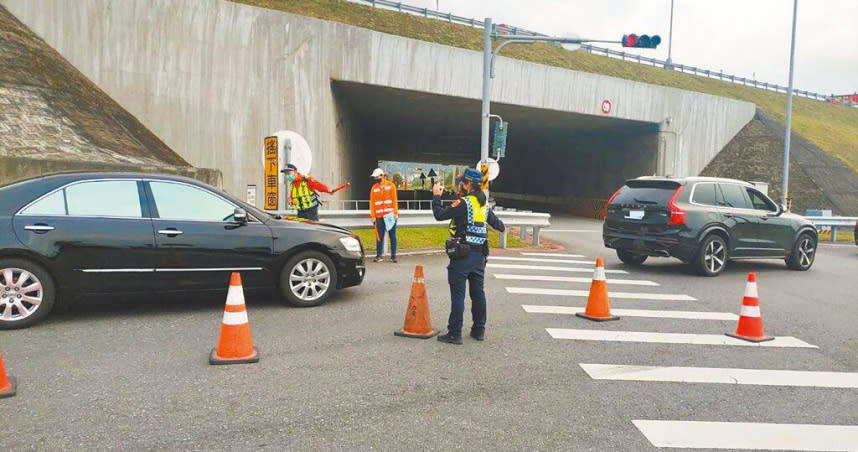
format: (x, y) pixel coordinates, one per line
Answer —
(787, 133)
(669, 63)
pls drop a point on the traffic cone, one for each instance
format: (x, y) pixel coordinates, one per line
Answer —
(8, 385)
(750, 326)
(598, 306)
(418, 323)
(235, 345)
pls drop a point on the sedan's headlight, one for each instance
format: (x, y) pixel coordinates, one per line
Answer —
(351, 244)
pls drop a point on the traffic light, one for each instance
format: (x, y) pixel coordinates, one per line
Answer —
(642, 41)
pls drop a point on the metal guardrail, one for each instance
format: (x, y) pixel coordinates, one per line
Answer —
(426, 12)
(363, 204)
(359, 219)
(834, 223)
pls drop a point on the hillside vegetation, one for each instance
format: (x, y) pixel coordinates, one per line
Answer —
(831, 127)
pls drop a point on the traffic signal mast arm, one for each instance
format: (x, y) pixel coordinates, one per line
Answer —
(489, 54)
(630, 40)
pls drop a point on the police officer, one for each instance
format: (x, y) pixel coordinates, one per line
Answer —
(468, 249)
(304, 193)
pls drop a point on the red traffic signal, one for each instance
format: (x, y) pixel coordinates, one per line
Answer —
(642, 41)
(630, 40)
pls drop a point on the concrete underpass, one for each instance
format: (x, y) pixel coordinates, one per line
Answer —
(359, 96)
(549, 152)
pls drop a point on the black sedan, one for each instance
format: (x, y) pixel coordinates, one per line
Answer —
(72, 235)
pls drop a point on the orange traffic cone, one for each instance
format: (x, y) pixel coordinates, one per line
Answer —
(418, 323)
(598, 306)
(750, 326)
(235, 345)
(8, 385)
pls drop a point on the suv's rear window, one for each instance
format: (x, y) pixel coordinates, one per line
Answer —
(646, 192)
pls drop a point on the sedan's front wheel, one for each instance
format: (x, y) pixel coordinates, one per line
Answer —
(308, 279)
(26, 293)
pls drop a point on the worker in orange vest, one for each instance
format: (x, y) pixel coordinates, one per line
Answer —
(384, 212)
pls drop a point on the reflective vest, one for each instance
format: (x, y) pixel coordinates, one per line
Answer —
(475, 231)
(383, 200)
(302, 197)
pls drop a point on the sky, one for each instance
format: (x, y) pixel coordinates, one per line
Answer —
(741, 37)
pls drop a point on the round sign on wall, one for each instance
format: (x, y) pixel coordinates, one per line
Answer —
(300, 154)
(606, 107)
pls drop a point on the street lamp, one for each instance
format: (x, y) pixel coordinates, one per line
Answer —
(669, 62)
(785, 188)
(489, 55)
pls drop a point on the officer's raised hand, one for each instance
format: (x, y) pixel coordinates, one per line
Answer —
(437, 189)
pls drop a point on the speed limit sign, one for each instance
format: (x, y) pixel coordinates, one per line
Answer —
(606, 107)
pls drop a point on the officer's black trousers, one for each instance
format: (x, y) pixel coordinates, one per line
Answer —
(471, 270)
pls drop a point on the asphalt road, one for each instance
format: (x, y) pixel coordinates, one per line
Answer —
(136, 377)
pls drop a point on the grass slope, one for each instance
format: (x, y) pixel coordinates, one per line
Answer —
(423, 238)
(833, 128)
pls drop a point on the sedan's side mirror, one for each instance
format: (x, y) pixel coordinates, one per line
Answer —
(781, 209)
(240, 215)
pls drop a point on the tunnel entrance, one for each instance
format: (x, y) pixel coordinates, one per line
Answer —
(550, 154)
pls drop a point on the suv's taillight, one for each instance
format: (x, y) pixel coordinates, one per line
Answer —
(610, 200)
(677, 215)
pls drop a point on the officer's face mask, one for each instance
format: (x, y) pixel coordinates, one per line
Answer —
(290, 177)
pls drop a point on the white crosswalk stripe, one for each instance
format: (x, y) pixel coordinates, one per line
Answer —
(552, 268)
(691, 315)
(682, 433)
(760, 377)
(573, 279)
(541, 260)
(552, 255)
(746, 435)
(671, 338)
(585, 293)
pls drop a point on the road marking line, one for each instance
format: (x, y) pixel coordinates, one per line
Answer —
(535, 259)
(586, 293)
(552, 255)
(691, 315)
(747, 435)
(551, 268)
(671, 338)
(759, 377)
(572, 230)
(573, 279)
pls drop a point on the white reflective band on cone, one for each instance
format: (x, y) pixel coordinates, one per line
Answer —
(234, 296)
(599, 274)
(750, 311)
(751, 290)
(235, 318)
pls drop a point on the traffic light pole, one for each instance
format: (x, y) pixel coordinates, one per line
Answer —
(487, 89)
(489, 73)
(785, 189)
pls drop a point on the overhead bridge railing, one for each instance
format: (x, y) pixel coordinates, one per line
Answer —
(501, 29)
(359, 219)
(834, 223)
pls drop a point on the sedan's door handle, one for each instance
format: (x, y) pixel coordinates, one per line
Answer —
(170, 232)
(39, 228)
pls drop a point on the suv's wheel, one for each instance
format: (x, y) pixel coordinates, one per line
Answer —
(27, 293)
(631, 258)
(803, 253)
(308, 279)
(712, 256)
